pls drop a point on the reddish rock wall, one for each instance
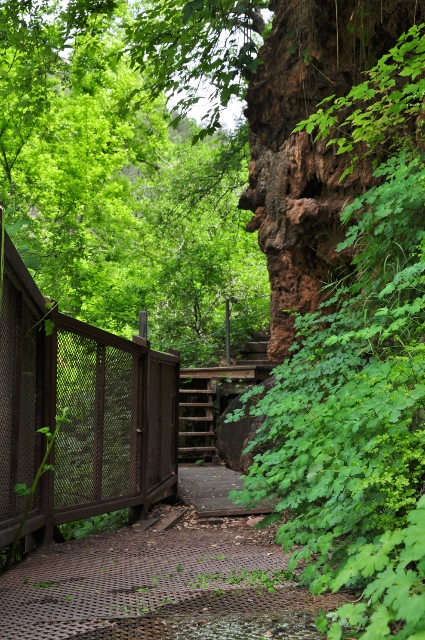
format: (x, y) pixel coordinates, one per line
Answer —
(294, 189)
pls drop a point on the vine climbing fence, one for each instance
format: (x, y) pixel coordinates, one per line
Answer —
(118, 447)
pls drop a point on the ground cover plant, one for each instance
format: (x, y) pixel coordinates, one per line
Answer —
(344, 430)
(94, 525)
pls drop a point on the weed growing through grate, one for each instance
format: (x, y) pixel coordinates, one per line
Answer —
(258, 577)
(203, 580)
(22, 489)
(254, 577)
(180, 568)
(143, 608)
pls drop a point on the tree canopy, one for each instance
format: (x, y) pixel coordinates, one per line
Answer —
(203, 49)
(115, 212)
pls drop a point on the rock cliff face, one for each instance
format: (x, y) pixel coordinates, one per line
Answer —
(314, 50)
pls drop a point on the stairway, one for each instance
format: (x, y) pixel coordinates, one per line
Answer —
(256, 351)
(196, 408)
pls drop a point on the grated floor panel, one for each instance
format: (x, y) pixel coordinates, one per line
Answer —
(144, 592)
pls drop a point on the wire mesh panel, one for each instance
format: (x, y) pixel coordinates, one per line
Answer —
(168, 419)
(104, 456)
(96, 457)
(75, 449)
(8, 340)
(163, 380)
(30, 397)
(117, 477)
(154, 438)
(19, 401)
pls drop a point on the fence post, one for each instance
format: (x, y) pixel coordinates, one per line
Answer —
(227, 332)
(143, 324)
(140, 511)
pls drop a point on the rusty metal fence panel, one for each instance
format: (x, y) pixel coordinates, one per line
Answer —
(118, 448)
(21, 370)
(100, 385)
(163, 420)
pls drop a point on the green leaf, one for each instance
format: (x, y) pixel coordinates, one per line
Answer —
(335, 631)
(21, 489)
(187, 12)
(48, 327)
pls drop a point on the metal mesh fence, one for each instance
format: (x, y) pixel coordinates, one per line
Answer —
(19, 398)
(168, 397)
(154, 438)
(75, 444)
(30, 396)
(162, 390)
(117, 477)
(8, 339)
(100, 380)
(98, 386)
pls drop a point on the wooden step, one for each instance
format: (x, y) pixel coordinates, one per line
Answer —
(256, 347)
(195, 391)
(258, 363)
(196, 404)
(196, 433)
(197, 449)
(194, 419)
(252, 357)
(260, 337)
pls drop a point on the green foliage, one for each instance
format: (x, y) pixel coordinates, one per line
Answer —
(349, 455)
(256, 578)
(114, 213)
(29, 493)
(34, 35)
(394, 567)
(387, 216)
(180, 45)
(94, 525)
(376, 116)
(207, 256)
(344, 432)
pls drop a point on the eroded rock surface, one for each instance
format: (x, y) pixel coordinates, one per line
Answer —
(295, 193)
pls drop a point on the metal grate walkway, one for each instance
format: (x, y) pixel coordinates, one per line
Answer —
(158, 586)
